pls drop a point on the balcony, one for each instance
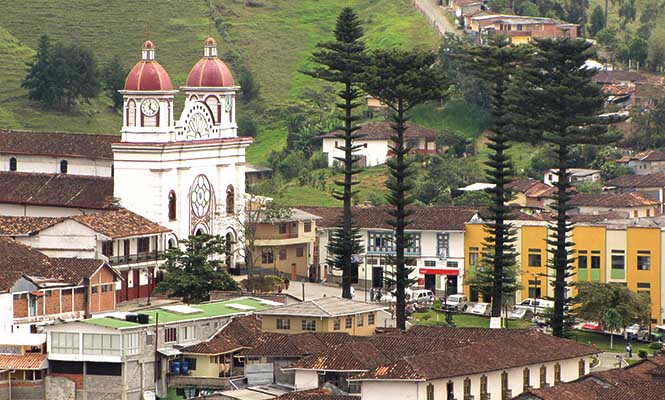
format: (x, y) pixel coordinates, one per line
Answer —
(181, 381)
(136, 258)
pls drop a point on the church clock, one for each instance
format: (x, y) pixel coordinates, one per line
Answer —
(149, 107)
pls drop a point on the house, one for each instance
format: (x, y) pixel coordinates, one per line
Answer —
(651, 185)
(287, 246)
(131, 244)
(521, 29)
(376, 141)
(531, 193)
(648, 94)
(644, 163)
(425, 363)
(606, 248)
(123, 355)
(56, 153)
(437, 249)
(325, 314)
(315, 394)
(23, 366)
(463, 7)
(576, 175)
(256, 173)
(36, 290)
(643, 380)
(633, 204)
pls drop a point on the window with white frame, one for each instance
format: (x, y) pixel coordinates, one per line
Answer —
(186, 333)
(64, 343)
(132, 343)
(442, 244)
(101, 344)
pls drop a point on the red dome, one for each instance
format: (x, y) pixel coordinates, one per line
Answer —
(148, 75)
(210, 72)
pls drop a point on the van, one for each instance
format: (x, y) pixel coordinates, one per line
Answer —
(419, 295)
(539, 305)
(456, 302)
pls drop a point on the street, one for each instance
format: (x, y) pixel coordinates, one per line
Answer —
(436, 15)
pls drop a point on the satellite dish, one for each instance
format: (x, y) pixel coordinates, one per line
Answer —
(149, 395)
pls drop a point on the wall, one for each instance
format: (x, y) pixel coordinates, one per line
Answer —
(269, 324)
(533, 237)
(383, 390)
(644, 239)
(19, 210)
(307, 380)
(376, 151)
(51, 165)
(66, 239)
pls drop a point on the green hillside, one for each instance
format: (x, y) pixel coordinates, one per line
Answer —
(273, 38)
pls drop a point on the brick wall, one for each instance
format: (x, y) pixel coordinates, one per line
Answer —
(23, 390)
(53, 302)
(21, 308)
(76, 378)
(66, 301)
(79, 300)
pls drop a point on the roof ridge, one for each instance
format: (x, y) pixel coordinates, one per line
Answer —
(320, 306)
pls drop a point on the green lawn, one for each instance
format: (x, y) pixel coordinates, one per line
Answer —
(433, 318)
(602, 341)
(454, 115)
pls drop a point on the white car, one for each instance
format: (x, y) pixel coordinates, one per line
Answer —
(457, 302)
(481, 309)
(537, 305)
(419, 295)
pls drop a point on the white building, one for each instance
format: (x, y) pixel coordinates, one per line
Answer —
(376, 142)
(437, 249)
(187, 173)
(576, 175)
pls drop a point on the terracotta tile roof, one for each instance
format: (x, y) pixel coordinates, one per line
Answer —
(25, 226)
(617, 76)
(121, 223)
(315, 394)
(383, 131)
(513, 348)
(59, 190)
(23, 361)
(649, 155)
(617, 89)
(240, 332)
(287, 345)
(74, 270)
(638, 181)
(421, 218)
(613, 200)
(640, 381)
(57, 144)
(353, 356)
(324, 307)
(531, 188)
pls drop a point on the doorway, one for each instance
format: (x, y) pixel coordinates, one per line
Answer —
(430, 282)
(377, 277)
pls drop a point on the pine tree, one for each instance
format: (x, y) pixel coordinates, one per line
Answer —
(114, 80)
(39, 78)
(342, 62)
(562, 104)
(495, 65)
(401, 79)
(597, 20)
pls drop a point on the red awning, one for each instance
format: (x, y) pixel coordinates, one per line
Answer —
(438, 271)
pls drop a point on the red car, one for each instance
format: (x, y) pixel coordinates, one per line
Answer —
(592, 326)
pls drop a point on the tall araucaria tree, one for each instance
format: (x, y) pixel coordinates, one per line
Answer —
(342, 62)
(495, 64)
(401, 79)
(563, 106)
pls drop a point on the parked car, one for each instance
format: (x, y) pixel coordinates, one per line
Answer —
(456, 302)
(658, 333)
(592, 326)
(539, 305)
(637, 332)
(481, 309)
(521, 313)
(419, 295)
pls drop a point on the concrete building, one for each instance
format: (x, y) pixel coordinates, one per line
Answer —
(521, 29)
(576, 175)
(631, 204)
(121, 357)
(376, 142)
(644, 163)
(531, 194)
(23, 366)
(437, 249)
(651, 185)
(326, 314)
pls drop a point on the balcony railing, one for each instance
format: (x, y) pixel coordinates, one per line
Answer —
(136, 258)
(280, 236)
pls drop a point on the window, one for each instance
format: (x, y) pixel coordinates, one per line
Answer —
(101, 344)
(143, 244)
(370, 319)
(543, 376)
(450, 391)
(283, 324)
(170, 335)
(64, 343)
(534, 258)
(483, 386)
(430, 392)
(381, 242)
(300, 251)
(582, 260)
(63, 166)
(618, 261)
(308, 325)
(473, 256)
(525, 379)
(467, 388)
(266, 257)
(557, 373)
(104, 289)
(192, 363)
(282, 253)
(172, 206)
(360, 320)
(595, 261)
(230, 200)
(13, 164)
(48, 293)
(131, 343)
(442, 244)
(307, 226)
(94, 289)
(643, 260)
(131, 113)
(582, 368)
(430, 263)
(186, 333)
(107, 248)
(504, 383)
(337, 324)
(282, 229)
(348, 323)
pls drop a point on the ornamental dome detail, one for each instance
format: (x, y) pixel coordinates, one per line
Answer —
(210, 71)
(148, 74)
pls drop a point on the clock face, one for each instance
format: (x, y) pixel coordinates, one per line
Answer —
(149, 107)
(198, 125)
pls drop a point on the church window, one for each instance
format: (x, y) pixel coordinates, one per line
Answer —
(230, 200)
(13, 164)
(172, 206)
(131, 113)
(215, 106)
(63, 166)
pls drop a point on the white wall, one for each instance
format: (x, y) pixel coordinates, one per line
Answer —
(384, 390)
(65, 239)
(306, 380)
(51, 165)
(376, 151)
(6, 313)
(18, 210)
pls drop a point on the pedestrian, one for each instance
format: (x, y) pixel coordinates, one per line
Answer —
(353, 292)
(371, 295)
(379, 295)
(629, 350)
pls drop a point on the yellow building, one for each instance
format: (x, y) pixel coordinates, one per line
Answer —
(287, 246)
(627, 251)
(326, 314)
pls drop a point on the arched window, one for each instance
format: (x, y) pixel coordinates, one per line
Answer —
(63, 166)
(13, 164)
(543, 376)
(230, 200)
(557, 373)
(172, 243)
(526, 379)
(131, 113)
(172, 206)
(215, 106)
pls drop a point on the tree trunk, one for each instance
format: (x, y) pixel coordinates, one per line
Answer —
(400, 219)
(347, 232)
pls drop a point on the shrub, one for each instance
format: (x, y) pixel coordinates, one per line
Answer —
(247, 126)
(643, 354)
